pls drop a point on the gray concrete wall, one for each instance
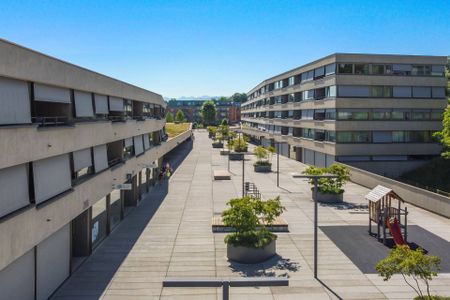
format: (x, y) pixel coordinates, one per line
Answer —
(26, 64)
(27, 229)
(422, 198)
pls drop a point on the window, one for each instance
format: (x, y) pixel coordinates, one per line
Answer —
(399, 136)
(354, 91)
(438, 92)
(330, 69)
(319, 135)
(128, 149)
(308, 133)
(330, 136)
(330, 91)
(291, 80)
(361, 137)
(307, 76)
(382, 137)
(319, 72)
(361, 69)
(99, 222)
(319, 114)
(353, 114)
(437, 70)
(345, 68)
(421, 92)
(421, 70)
(308, 95)
(400, 114)
(381, 91)
(353, 136)
(330, 114)
(381, 114)
(378, 69)
(402, 91)
(291, 97)
(420, 114)
(399, 69)
(308, 114)
(319, 94)
(344, 137)
(436, 114)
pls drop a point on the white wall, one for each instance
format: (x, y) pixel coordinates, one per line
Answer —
(17, 279)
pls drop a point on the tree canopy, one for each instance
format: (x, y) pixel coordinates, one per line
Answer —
(169, 117)
(208, 112)
(443, 136)
(238, 97)
(179, 117)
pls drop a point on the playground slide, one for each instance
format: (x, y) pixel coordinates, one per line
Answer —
(396, 232)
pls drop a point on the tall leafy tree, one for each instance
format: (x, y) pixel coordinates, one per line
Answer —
(208, 112)
(238, 97)
(169, 117)
(179, 117)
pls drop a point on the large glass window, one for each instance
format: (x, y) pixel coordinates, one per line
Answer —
(98, 222)
(330, 91)
(361, 69)
(330, 114)
(330, 136)
(381, 114)
(381, 91)
(421, 92)
(330, 69)
(400, 114)
(418, 114)
(401, 69)
(345, 68)
(344, 137)
(307, 76)
(291, 80)
(308, 95)
(378, 69)
(319, 72)
(437, 70)
(308, 133)
(423, 70)
(436, 114)
(353, 136)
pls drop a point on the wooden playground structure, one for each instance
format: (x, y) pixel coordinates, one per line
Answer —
(386, 212)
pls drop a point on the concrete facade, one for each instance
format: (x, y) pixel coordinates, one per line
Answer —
(355, 108)
(80, 135)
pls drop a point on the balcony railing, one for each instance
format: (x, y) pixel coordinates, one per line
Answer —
(51, 121)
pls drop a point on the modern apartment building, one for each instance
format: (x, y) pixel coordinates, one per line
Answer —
(375, 112)
(69, 139)
(192, 110)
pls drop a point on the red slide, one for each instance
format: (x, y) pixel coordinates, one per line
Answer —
(396, 233)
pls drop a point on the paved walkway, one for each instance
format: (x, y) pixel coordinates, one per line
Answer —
(169, 235)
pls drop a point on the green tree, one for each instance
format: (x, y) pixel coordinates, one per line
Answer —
(410, 264)
(169, 117)
(224, 122)
(208, 112)
(179, 117)
(238, 97)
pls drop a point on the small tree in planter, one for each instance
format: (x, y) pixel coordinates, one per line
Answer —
(329, 189)
(218, 140)
(413, 264)
(249, 217)
(239, 147)
(212, 131)
(262, 163)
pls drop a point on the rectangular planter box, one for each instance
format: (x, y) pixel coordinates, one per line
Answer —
(217, 145)
(236, 156)
(263, 169)
(329, 198)
(247, 255)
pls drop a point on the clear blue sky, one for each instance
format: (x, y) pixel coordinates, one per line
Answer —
(194, 48)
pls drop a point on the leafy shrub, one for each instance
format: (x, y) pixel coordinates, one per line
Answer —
(240, 145)
(329, 185)
(413, 264)
(250, 216)
(262, 156)
(262, 163)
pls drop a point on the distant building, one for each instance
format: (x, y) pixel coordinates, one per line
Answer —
(192, 110)
(375, 112)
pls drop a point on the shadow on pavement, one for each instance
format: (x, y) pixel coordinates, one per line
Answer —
(277, 266)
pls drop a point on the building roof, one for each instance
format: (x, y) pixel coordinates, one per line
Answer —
(378, 192)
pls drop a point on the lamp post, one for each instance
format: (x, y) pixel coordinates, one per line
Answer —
(315, 179)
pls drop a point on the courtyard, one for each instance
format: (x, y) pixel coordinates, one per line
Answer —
(169, 236)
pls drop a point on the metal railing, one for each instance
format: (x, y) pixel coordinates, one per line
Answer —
(425, 187)
(51, 121)
(225, 283)
(251, 190)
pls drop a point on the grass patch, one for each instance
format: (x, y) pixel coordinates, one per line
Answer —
(434, 174)
(174, 129)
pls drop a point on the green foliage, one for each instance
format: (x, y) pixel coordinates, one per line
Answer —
(224, 122)
(329, 185)
(169, 117)
(443, 136)
(250, 216)
(240, 145)
(260, 153)
(179, 117)
(262, 163)
(409, 263)
(238, 97)
(263, 156)
(208, 112)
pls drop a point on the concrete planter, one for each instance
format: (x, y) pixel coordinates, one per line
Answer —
(224, 152)
(263, 169)
(248, 255)
(217, 145)
(329, 198)
(236, 156)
